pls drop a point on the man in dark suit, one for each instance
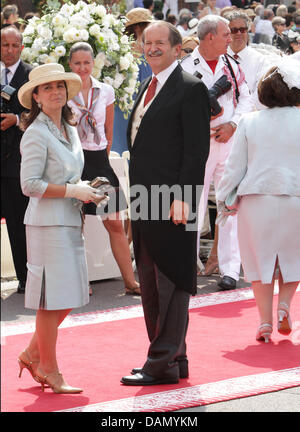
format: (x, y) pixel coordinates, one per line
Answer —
(168, 138)
(13, 202)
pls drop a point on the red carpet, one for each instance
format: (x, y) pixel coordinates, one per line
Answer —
(95, 350)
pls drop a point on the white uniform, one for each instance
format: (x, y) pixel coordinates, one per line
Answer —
(254, 65)
(228, 249)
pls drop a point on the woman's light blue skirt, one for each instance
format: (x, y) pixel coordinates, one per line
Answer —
(57, 270)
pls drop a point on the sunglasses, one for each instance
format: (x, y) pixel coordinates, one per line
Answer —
(235, 30)
(187, 50)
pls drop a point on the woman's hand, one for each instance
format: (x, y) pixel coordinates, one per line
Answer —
(82, 191)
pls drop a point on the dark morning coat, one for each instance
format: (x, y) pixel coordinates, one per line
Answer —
(10, 139)
(13, 202)
(171, 147)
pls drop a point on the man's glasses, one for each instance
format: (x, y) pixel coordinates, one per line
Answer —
(187, 50)
(235, 30)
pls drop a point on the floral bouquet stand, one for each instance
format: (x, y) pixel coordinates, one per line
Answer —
(48, 39)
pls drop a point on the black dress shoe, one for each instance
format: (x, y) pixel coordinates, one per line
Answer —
(142, 379)
(227, 283)
(183, 369)
(21, 288)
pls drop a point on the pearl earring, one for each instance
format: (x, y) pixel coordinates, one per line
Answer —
(39, 105)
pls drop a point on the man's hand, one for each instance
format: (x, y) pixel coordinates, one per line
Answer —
(223, 132)
(8, 120)
(179, 212)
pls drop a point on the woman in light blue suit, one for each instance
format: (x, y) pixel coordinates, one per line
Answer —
(51, 167)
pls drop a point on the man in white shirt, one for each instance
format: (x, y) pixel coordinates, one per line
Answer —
(253, 63)
(170, 7)
(264, 30)
(210, 62)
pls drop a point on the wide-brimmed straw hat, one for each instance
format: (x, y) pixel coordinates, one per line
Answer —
(47, 73)
(138, 15)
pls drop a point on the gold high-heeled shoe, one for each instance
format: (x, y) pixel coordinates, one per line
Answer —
(284, 321)
(211, 266)
(264, 332)
(56, 386)
(26, 362)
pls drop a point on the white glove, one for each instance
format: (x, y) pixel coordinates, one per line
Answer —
(223, 213)
(81, 191)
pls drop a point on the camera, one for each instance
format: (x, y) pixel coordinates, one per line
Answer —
(220, 87)
(6, 93)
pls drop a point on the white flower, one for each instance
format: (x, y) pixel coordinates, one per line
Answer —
(27, 54)
(108, 80)
(50, 59)
(59, 31)
(100, 60)
(80, 5)
(135, 67)
(60, 50)
(59, 20)
(129, 90)
(114, 46)
(84, 35)
(44, 31)
(70, 35)
(27, 40)
(38, 44)
(67, 9)
(29, 30)
(124, 40)
(43, 58)
(124, 63)
(119, 78)
(95, 30)
(132, 83)
(99, 10)
(79, 21)
(108, 21)
(129, 57)
(96, 72)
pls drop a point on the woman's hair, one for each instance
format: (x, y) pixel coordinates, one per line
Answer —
(80, 46)
(131, 30)
(9, 10)
(276, 21)
(28, 117)
(274, 92)
(282, 10)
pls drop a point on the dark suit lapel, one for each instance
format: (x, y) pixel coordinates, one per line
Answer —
(168, 89)
(164, 95)
(20, 76)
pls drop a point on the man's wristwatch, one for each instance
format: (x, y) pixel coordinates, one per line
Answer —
(234, 125)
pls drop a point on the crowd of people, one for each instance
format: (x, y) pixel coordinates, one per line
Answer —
(217, 104)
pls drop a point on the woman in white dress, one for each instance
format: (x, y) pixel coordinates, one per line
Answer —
(94, 111)
(51, 167)
(264, 165)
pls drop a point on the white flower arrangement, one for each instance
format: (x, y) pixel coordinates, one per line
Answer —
(49, 39)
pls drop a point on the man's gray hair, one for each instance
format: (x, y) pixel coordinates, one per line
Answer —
(238, 14)
(209, 24)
